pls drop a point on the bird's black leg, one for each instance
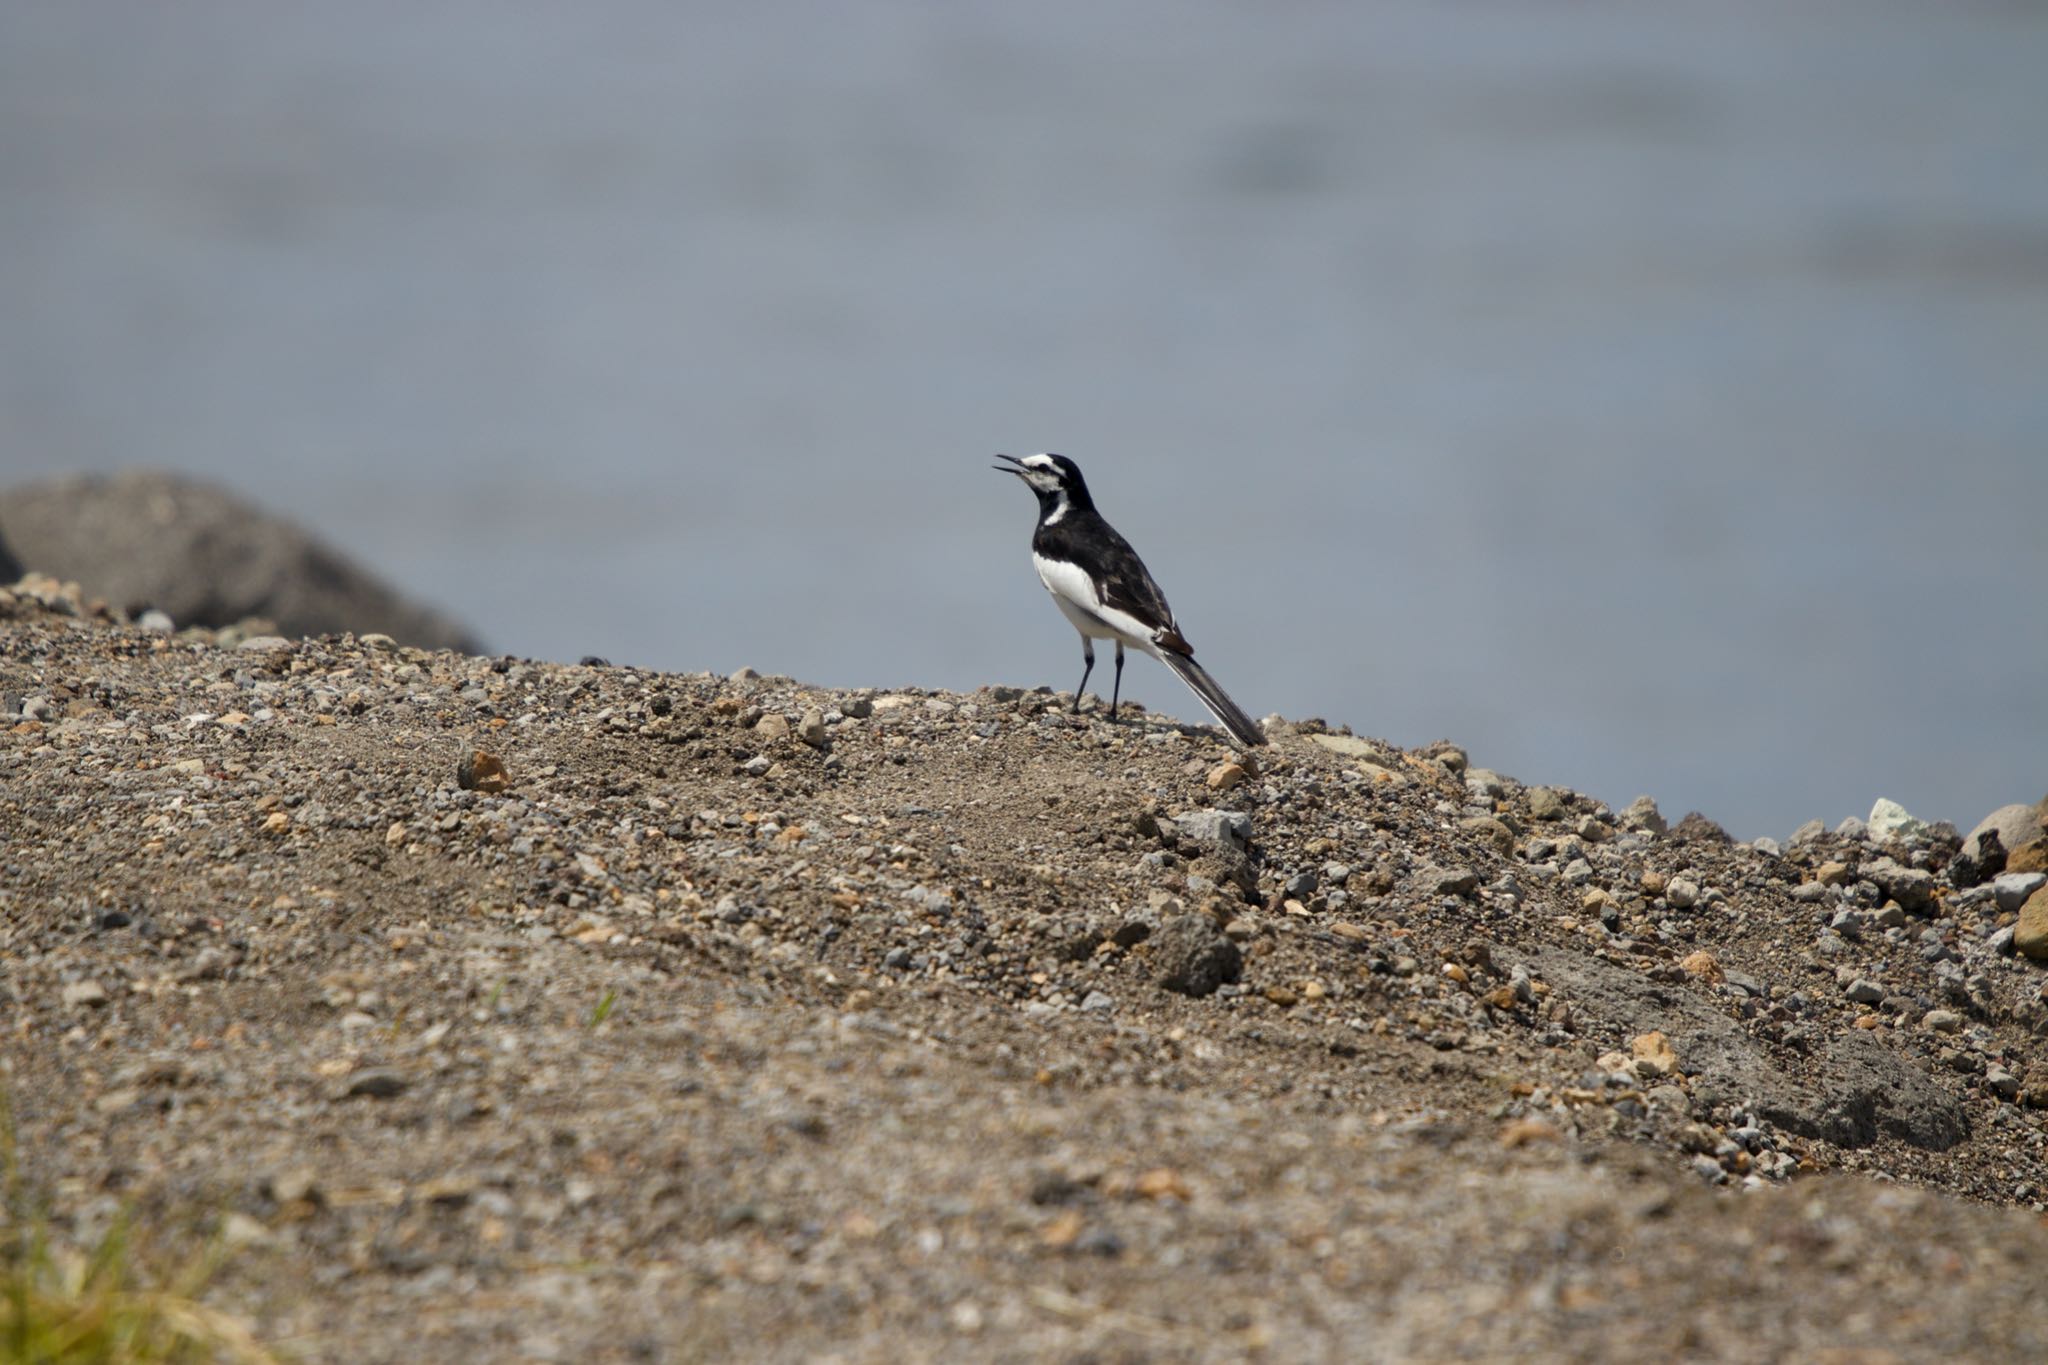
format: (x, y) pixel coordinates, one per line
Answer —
(1116, 688)
(1088, 656)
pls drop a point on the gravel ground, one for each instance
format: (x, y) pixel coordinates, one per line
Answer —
(505, 1010)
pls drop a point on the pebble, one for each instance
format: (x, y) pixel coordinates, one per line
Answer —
(483, 772)
(812, 729)
(1683, 893)
(1653, 1054)
(1545, 804)
(85, 994)
(1224, 776)
(1450, 881)
(1097, 1002)
(1642, 814)
(1831, 874)
(377, 1083)
(1191, 956)
(1809, 892)
(1943, 1021)
(1701, 965)
(1226, 829)
(2012, 889)
(1522, 1132)
(772, 728)
(1864, 991)
(758, 765)
(155, 622)
(1668, 1097)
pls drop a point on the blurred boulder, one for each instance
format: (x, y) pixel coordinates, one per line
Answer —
(204, 557)
(10, 567)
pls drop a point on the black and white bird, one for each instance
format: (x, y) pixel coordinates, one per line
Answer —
(1103, 588)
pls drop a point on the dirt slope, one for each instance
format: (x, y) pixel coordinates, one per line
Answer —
(753, 1020)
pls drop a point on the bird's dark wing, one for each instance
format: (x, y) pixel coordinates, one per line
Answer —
(1120, 577)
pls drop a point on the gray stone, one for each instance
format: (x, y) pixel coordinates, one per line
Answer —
(1484, 782)
(2016, 825)
(758, 765)
(1911, 887)
(1228, 830)
(1859, 1090)
(1807, 833)
(1768, 847)
(1864, 991)
(156, 622)
(1682, 892)
(1449, 881)
(1546, 804)
(1190, 955)
(1097, 1002)
(1809, 892)
(206, 558)
(2011, 889)
(1642, 814)
(1851, 828)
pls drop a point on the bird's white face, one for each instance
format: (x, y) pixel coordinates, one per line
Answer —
(1042, 473)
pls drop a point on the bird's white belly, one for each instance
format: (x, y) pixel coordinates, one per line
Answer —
(1074, 591)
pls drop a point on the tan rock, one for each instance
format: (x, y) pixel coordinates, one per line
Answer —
(1522, 1132)
(1831, 874)
(1161, 1183)
(1702, 966)
(1224, 776)
(2032, 858)
(1653, 1052)
(482, 772)
(2030, 935)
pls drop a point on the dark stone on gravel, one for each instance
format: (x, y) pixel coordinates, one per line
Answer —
(1193, 957)
(377, 1084)
(10, 567)
(1697, 827)
(1862, 1089)
(206, 558)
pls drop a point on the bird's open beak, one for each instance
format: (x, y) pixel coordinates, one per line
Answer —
(1010, 468)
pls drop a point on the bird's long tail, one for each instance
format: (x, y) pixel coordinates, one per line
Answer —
(1215, 698)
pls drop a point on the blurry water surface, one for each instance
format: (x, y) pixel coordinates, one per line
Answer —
(1651, 397)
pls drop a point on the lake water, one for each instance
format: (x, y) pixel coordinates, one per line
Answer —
(1650, 397)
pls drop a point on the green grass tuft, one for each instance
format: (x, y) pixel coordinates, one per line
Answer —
(62, 1305)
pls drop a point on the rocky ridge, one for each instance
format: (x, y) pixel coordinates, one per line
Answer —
(540, 1009)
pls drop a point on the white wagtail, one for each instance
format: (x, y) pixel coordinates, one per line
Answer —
(1102, 587)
